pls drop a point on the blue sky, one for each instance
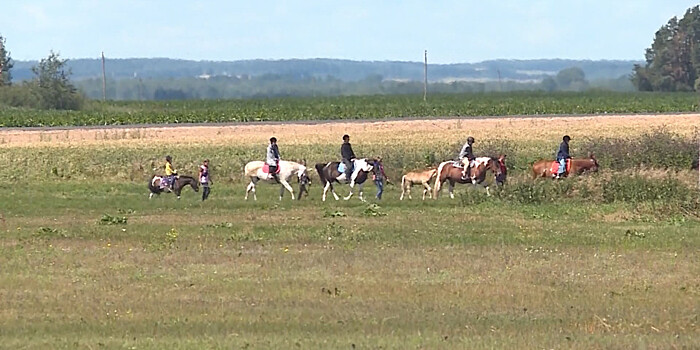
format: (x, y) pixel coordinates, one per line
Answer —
(452, 31)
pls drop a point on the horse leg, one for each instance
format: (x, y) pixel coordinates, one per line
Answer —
(352, 187)
(410, 184)
(286, 185)
(359, 188)
(488, 194)
(251, 187)
(335, 195)
(325, 189)
(403, 190)
(426, 189)
(150, 195)
(452, 189)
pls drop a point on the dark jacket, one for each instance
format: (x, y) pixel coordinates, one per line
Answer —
(563, 151)
(379, 174)
(346, 151)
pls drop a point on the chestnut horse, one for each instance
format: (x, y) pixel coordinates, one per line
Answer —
(543, 168)
(449, 171)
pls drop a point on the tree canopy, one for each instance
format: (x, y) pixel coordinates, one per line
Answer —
(673, 60)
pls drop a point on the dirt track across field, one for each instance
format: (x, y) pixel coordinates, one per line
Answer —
(370, 131)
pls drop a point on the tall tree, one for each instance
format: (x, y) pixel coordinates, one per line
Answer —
(53, 85)
(5, 64)
(673, 60)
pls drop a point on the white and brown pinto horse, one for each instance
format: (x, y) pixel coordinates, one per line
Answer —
(328, 173)
(451, 172)
(254, 170)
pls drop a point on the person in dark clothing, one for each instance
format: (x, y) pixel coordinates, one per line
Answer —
(204, 179)
(563, 155)
(379, 177)
(347, 156)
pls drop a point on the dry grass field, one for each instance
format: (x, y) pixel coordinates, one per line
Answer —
(88, 262)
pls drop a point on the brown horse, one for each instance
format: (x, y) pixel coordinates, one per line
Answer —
(449, 171)
(543, 168)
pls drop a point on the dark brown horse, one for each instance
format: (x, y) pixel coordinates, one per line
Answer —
(450, 172)
(543, 168)
(180, 182)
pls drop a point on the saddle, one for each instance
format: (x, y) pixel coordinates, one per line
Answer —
(555, 167)
(160, 182)
(341, 167)
(266, 169)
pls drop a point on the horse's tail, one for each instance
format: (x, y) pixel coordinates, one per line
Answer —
(319, 169)
(152, 188)
(438, 181)
(403, 182)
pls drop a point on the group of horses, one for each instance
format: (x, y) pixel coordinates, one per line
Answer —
(450, 171)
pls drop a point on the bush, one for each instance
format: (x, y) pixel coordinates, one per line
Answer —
(637, 189)
(658, 148)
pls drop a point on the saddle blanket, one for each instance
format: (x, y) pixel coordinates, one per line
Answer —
(341, 167)
(555, 167)
(266, 169)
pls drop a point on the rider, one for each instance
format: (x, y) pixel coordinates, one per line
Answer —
(273, 159)
(563, 155)
(170, 172)
(466, 156)
(347, 155)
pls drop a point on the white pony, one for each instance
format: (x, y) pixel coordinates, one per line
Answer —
(254, 170)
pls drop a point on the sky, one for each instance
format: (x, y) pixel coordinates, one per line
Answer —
(452, 31)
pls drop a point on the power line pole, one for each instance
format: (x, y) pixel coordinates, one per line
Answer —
(104, 79)
(425, 77)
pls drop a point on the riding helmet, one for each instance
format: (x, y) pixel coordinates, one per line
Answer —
(273, 139)
(168, 158)
(566, 138)
(346, 137)
(470, 139)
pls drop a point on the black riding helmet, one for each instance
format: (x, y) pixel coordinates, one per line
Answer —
(470, 139)
(169, 158)
(346, 137)
(566, 138)
(273, 139)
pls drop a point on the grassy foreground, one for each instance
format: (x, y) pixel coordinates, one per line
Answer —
(166, 274)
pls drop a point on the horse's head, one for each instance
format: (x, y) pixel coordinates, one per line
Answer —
(501, 173)
(594, 167)
(365, 164)
(194, 183)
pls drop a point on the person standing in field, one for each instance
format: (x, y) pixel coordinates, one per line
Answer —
(170, 172)
(347, 156)
(379, 176)
(273, 159)
(563, 155)
(466, 156)
(204, 179)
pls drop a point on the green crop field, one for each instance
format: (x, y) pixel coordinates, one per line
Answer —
(354, 107)
(603, 261)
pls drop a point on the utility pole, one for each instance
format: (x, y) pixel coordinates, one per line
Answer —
(104, 79)
(425, 77)
(500, 86)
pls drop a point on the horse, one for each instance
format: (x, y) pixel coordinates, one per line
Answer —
(254, 170)
(544, 167)
(449, 171)
(180, 182)
(328, 173)
(422, 177)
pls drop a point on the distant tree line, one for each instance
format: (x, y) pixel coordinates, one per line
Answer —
(287, 85)
(673, 60)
